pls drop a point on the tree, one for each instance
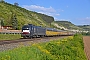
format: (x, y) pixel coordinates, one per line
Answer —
(1, 0)
(14, 22)
(2, 23)
(16, 4)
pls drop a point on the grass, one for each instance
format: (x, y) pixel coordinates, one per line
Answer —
(9, 36)
(70, 48)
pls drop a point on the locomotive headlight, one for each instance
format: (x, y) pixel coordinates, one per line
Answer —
(25, 30)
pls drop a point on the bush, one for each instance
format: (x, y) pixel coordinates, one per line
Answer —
(70, 48)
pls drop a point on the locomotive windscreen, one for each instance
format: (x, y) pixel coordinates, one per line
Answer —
(26, 27)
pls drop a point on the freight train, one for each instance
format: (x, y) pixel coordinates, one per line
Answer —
(29, 31)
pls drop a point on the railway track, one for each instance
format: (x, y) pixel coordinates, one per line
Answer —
(3, 42)
(11, 44)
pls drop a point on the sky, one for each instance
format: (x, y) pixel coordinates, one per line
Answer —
(75, 11)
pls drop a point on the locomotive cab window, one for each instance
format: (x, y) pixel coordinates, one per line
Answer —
(25, 27)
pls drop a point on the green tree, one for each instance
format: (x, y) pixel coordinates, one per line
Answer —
(16, 4)
(14, 22)
(2, 1)
(2, 23)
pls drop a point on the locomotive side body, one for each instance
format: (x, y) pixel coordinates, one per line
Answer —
(39, 31)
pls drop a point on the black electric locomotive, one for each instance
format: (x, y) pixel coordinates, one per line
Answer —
(29, 31)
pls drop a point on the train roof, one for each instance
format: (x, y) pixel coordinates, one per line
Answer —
(52, 29)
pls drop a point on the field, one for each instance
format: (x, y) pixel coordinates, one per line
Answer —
(9, 36)
(70, 48)
(86, 40)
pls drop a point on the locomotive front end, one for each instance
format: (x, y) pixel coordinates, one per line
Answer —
(25, 31)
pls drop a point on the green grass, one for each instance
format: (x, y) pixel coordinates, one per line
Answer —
(9, 36)
(70, 48)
